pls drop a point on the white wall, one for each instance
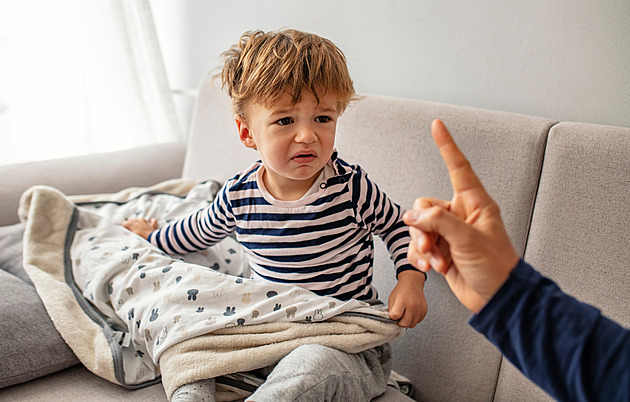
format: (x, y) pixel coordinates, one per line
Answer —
(566, 59)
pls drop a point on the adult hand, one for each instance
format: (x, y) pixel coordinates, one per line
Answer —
(463, 239)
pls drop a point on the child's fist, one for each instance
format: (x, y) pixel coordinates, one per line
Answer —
(407, 303)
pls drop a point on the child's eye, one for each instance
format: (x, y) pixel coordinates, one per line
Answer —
(323, 119)
(284, 121)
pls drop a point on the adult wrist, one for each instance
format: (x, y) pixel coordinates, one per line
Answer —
(520, 280)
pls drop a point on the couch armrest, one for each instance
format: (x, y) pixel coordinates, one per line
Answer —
(98, 173)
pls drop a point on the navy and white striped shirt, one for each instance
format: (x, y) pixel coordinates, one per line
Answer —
(322, 242)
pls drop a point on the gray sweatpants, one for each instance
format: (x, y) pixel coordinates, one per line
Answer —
(319, 373)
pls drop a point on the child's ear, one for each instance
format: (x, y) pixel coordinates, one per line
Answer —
(244, 132)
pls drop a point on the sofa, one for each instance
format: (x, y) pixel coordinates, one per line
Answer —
(563, 189)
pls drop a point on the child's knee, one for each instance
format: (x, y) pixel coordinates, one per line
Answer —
(310, 356)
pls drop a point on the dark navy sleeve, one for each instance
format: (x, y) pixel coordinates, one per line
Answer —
(566, 347)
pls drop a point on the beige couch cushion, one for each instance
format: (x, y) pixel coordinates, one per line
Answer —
(579, 234)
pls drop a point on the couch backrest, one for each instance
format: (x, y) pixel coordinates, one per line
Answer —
(89, 174)
(580, 235)
(214, 149)
(390, 139)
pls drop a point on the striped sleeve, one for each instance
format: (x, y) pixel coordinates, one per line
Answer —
(382, 217)
(198, 230)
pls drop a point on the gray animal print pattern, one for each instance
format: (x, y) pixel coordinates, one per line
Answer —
(153, 300)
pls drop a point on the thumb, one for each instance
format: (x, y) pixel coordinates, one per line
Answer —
(435, 220)
(395, 309)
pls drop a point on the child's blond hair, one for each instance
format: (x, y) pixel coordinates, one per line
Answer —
(263, 66)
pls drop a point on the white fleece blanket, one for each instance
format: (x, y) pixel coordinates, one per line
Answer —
(132, 313)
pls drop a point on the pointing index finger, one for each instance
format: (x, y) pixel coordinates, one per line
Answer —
(459, 170)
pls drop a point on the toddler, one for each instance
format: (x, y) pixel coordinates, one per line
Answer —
(303, 215)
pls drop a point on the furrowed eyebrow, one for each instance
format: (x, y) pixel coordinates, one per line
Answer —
(327, 110)
(281, 111)
(289, 110)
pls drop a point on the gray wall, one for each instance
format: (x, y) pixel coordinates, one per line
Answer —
(565, 59)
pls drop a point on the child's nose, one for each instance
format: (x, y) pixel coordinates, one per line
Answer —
(306, 135)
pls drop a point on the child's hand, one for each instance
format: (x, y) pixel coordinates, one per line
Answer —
(141, 227)
(407, 303)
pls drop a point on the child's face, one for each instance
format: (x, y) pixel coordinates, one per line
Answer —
(294, 141)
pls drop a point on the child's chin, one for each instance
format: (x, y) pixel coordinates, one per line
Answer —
(303, 174)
